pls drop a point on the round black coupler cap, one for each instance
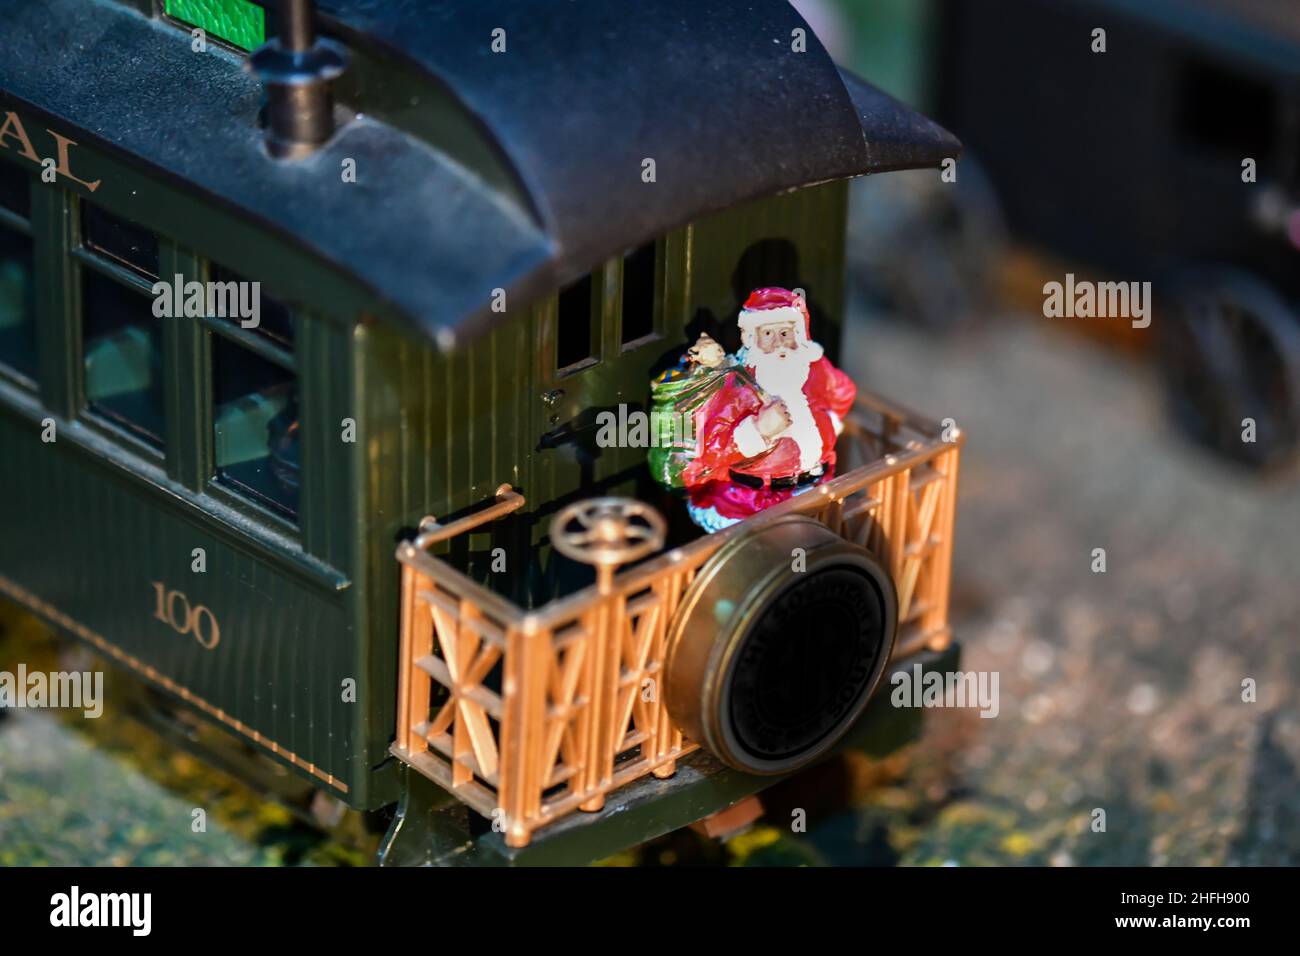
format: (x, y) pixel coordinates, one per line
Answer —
(805, 665)
(772, 661)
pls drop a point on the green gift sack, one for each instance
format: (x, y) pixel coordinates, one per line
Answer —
(677, 397)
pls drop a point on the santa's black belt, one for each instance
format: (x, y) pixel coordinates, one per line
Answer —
(793, 481)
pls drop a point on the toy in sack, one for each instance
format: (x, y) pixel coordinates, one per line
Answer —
(678, 396)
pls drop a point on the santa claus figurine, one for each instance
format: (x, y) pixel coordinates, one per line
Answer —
(769, 431)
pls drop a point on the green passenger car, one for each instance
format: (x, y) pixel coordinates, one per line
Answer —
(487, 248)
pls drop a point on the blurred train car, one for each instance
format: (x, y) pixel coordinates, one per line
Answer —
(1135, 160)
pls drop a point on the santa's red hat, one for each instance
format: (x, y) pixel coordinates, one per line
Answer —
(775, 305)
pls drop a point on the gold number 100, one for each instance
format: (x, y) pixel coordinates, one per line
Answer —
(173, 609)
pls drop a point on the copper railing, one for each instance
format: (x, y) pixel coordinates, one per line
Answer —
(527, 715)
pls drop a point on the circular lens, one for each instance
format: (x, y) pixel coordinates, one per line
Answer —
(806, 664)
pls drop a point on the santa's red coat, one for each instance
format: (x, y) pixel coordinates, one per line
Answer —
(708, 477)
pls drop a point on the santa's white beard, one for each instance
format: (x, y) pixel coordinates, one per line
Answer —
(781, 376)
(784, 378)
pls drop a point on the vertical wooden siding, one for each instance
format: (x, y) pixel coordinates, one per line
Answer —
(441, 432)
(85, 543)
(792, 240)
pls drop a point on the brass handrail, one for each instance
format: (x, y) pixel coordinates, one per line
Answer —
(568, 725)
(507, 501)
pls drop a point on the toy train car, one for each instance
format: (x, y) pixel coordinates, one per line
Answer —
(1203, 198)
(465, 229)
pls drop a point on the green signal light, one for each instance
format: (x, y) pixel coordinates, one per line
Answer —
(237, 22)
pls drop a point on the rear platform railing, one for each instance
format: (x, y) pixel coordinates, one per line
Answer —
(527, 715)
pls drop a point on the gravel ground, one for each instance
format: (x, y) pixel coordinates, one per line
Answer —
(1120, 691)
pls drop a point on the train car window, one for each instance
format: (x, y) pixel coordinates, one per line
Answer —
(17, 302)
(275, 318)
(574, 340)
(119, 240)
(1226, 111)
(15, 191)
(255, 425)
(17, 273)
(638, 294)
(123, 355)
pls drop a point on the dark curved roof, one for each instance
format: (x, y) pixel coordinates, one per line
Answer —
(587, 90)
